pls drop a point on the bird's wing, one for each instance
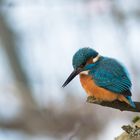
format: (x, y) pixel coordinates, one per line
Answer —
(111, 75)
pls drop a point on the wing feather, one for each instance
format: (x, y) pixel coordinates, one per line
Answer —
(111, 75)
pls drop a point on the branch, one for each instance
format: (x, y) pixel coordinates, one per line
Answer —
(115, 104)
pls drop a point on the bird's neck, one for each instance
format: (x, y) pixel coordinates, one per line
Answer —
(90, 65)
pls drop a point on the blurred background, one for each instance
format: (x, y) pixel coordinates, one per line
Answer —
(37, 41)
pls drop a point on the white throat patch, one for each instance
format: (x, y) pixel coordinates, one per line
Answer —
(84, 72)
(96, 58)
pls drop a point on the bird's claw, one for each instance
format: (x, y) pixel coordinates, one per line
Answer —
(92, 99)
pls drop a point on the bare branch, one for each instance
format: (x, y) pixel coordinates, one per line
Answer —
(116, 105)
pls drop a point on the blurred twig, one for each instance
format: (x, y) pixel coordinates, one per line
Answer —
(8, 39)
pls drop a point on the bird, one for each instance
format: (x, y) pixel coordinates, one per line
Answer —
(104, 78)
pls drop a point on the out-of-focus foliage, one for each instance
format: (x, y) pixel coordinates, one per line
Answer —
(131, 131)
(37, 41)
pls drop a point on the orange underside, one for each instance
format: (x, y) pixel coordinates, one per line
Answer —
(99, 93)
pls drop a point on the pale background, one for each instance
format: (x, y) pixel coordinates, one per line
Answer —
(37, 41)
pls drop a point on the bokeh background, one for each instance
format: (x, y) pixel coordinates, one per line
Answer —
(37, 41)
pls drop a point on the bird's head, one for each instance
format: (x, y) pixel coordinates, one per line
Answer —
(83, 60)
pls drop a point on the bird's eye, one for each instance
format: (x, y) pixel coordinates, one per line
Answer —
(83, 64)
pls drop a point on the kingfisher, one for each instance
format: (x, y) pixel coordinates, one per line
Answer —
(103, 78)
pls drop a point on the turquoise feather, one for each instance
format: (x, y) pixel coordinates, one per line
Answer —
(107, 73)
(82, 56)
(110, 74)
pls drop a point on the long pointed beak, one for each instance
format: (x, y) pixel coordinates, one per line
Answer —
(72, 75)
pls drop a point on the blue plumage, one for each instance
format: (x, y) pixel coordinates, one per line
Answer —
(131, 102)
(82, 56)
(110, 74)
(106, 72)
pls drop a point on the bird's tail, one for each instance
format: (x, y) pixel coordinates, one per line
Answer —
(131, 102)
(128, 100)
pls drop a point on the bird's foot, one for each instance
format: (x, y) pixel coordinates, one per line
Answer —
(92, 99)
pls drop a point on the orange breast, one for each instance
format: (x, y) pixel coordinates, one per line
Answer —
(99, 93)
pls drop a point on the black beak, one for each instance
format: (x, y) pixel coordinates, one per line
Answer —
(72, 75)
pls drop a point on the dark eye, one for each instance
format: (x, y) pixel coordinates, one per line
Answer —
(83, 64)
